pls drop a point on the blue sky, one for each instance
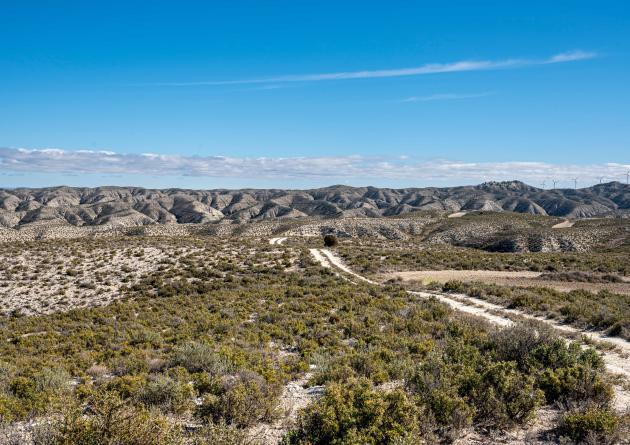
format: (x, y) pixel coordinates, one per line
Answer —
(320, 89)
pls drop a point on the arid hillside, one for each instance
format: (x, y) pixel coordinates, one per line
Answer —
(132, 206)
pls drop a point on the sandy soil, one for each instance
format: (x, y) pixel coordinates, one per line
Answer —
(564, 224)
(39, 281)
(505, 278)
(616, 360)
(532, 434)
(468, 275)
(320, 258)
(295, 397)
(55, 276)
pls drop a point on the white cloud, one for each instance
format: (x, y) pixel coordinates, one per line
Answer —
(446, 96)
(572, 56)
(432, 68)
(322, 169)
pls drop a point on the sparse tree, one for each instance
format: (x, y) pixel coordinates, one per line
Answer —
(330, 240)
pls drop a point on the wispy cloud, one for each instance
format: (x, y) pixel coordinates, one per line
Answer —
(432, 68)
(325, 169)
(571, 56)
(446, 96)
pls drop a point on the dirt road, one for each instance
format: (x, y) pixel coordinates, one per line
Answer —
(277, 241)
(320, 257)
(564, 224)
(337, 262)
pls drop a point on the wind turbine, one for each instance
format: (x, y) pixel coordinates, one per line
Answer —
(575, 183)
(543, 184)
(627, 176)
(601, 178)
(555, 181)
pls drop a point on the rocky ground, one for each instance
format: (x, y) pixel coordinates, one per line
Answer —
(51, 268)
(51, 276)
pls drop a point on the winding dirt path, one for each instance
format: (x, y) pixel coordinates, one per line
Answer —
(320, 258)
(277, 241)
(617, 361)
(338, 263)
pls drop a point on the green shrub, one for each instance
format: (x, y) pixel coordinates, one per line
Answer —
(354, 413)
(11, 409)
(242, 400)
(370, 366)
(578, 383)
(517, 343)
(112, 421)
(197, 357)
(52, 380)
(167, 394)
(206, 330)
(505, 396)
(7, 372)
(129, 364)
(127, 386)
(453, 286)
(450, 411)
(23, 388)
(560, 354)
(592, 424)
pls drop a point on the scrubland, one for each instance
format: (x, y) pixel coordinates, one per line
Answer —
(232, 340)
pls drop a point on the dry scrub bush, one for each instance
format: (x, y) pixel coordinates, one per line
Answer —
(111, 421)
(594, 426)
(356, 413)
(242, 399)
(197, 357)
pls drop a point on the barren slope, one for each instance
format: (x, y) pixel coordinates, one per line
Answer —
(134, 206)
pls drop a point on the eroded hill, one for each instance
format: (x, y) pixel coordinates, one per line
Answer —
(133, 206)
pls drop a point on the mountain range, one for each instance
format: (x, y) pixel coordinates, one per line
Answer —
(135, 206)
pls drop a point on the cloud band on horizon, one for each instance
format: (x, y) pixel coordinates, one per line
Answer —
(432, 68)
(323, 168)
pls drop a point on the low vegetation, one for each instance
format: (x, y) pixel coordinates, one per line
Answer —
(213, 347)
(604, 310)
(196, 339)
(371, 257)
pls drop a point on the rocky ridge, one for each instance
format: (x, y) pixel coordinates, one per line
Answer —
(134, 206)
